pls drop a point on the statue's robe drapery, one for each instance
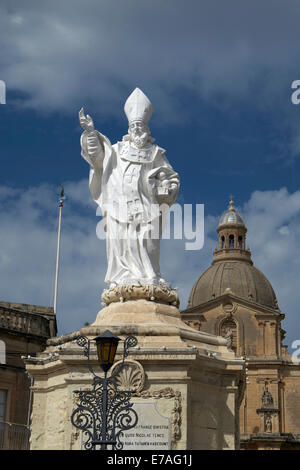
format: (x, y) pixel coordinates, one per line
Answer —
(124, 187)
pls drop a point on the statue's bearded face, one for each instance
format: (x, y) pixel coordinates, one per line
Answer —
(138, 133)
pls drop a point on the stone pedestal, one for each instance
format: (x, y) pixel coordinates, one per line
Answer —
(187, 381)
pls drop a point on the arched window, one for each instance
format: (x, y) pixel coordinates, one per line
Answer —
(240, 242)
(222, 241)
(231, 241)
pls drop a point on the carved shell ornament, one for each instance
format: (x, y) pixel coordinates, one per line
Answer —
(130, 376)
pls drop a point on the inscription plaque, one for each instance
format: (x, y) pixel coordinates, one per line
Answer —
(153, 430)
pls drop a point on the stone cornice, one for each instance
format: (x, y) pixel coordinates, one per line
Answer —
(16, 321)
(142, 330)
(265, 361)
(202, 308)
(278, 437)
(46, 364)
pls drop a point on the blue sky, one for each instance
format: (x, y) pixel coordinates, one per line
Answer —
(219, 76)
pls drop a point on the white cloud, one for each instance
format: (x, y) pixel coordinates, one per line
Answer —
(65, 54)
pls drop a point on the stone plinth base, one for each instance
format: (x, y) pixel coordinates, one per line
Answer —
(187, 381)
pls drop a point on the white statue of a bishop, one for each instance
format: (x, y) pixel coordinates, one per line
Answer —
(130, 180)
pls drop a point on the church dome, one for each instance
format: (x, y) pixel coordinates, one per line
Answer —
(243, 279)
(232, 267)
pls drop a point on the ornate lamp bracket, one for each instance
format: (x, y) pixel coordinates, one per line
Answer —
(104, 412)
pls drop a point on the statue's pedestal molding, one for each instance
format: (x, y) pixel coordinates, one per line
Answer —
(188, 377)
(155, 293)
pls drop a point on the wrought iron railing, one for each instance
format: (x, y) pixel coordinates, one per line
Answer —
(14, 436)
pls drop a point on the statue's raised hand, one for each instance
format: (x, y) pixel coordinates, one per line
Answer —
(86, 122)
(92, 146)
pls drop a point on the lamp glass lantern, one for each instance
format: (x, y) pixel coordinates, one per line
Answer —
(106, 344)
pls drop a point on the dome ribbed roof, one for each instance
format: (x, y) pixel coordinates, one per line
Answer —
(243, 279)
(231, 216)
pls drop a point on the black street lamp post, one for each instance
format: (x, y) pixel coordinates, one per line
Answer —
(104, 412)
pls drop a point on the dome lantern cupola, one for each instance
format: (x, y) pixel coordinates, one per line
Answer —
(231, 216)
(232, 236)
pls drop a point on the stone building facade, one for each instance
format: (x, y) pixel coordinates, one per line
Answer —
(232, 298)
(24, 330)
